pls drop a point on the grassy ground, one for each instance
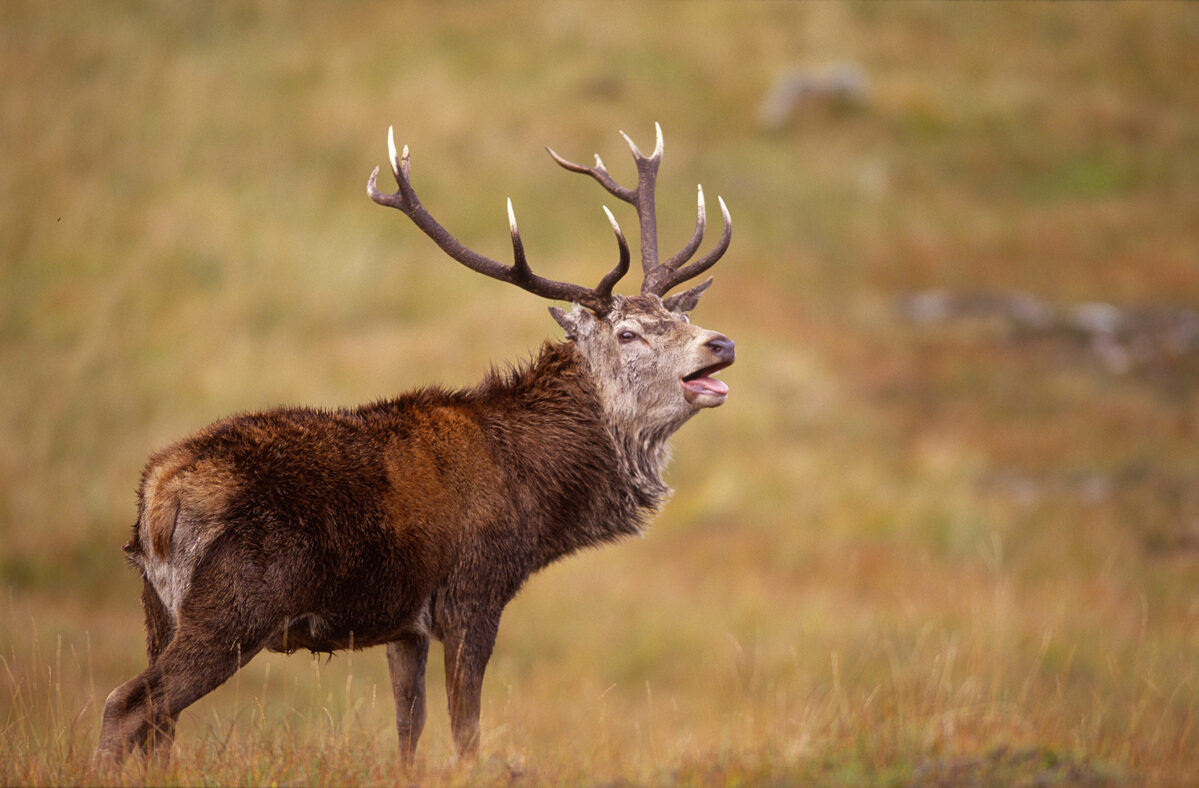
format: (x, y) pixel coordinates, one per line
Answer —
(900, 554)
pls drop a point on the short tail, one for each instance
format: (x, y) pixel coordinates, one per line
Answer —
(157, 525)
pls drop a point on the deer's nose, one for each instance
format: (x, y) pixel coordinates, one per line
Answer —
(723, 347)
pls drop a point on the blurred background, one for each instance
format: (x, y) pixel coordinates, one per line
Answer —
(946, 526)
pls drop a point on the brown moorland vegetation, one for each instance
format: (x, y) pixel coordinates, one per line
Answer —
(932, 538)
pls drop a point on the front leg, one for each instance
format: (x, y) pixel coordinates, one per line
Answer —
(406, 660)
(467, 649)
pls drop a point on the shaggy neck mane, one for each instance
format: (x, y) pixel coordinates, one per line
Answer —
(559, 376)
(611, 475)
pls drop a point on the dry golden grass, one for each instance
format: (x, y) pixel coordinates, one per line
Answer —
(899, 554)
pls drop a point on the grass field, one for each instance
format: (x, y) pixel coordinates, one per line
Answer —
(933, 551)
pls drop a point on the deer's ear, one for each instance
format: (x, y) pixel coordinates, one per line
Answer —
(576, 322)
(685, 301)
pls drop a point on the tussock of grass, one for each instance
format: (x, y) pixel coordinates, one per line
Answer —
(899, 555)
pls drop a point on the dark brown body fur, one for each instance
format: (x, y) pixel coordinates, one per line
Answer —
(411, 518)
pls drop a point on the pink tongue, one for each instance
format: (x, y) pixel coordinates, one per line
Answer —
(711, 385)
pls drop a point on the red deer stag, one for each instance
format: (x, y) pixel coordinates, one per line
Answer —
(419, 517)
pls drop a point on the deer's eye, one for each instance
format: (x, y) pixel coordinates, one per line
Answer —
(627, 336)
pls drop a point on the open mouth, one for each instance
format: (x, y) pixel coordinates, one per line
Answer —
(701, 382)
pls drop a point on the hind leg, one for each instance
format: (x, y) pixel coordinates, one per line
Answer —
(160, 629)
(141, 713)
(221, 625)
(118, 735)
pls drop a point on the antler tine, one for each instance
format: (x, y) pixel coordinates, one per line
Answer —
(701, 221)
(519, 264)
(604, 288)
(404, 199)
(661, 280)
(398, 166)
(599, 172)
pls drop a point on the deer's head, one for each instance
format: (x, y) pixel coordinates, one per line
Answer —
(652, 367)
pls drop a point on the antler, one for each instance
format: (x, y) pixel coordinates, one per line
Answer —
(598, 299)
(659, 277)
